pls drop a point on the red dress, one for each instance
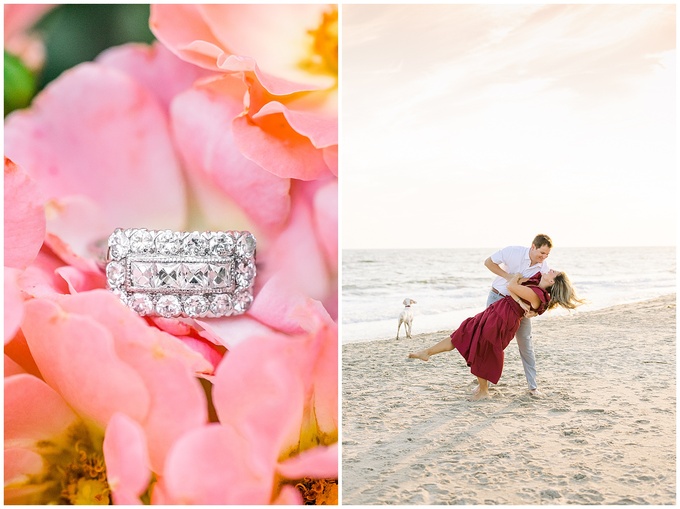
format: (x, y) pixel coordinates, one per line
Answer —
(482, 338)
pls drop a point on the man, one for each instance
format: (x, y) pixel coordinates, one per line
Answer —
(527, 261)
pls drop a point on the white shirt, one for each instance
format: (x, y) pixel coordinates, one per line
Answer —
(513, 260)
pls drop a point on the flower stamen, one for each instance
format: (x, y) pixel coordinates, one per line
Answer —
(74, 469)
(318, 491)
(323, 57)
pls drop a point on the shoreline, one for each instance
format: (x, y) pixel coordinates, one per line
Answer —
(440, 332)
(602, 433)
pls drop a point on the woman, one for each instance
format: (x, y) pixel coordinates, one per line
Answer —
(482, 338)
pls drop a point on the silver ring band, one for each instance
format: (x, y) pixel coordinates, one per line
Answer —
(191, 274)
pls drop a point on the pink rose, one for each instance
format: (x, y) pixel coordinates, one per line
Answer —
(95, 360)
(278, 420)
(286, 56)
(140, 138)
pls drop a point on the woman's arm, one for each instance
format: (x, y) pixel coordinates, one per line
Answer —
(515, 297)
(522, 304)
(523, 292)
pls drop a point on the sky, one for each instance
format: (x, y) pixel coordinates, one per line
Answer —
(483, 125)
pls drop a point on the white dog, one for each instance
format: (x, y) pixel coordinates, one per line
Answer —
(406, 317)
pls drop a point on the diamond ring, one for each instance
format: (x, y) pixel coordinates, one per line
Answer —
(191, 274)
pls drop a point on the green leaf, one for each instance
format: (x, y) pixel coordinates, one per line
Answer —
(20, 84)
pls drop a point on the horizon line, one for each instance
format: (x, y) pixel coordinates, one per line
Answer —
(496, 247)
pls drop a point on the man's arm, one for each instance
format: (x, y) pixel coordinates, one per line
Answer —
(495, 268)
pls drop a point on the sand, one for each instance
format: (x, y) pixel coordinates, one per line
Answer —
(603, 432)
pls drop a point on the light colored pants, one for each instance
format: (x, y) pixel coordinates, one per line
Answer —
(524, 343)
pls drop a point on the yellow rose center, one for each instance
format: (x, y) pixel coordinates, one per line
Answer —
(323, 54)
(74, 471)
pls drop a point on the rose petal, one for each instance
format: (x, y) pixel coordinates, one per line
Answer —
(12, 368)
(33, 411)
(330, 155)
(201, 123)
(76, 357)
(275, 36)
(174, 326)
(17, 350)
(247, 66)
(24, 217)
(296, 256)
(159, 495)
(166, 366)
(177, 401)
(262, 397)
(180, 28)
(154, 67)
(78, 219)
(289, 496)
(79, 281)
(322, 130)
(319, 463)
(232, 330)
(127, 460)
(275, 303)
(317, 365)
(215, 465)
(64, 251)
(96, 132)
(40, 279)
(130, 330)
(325, 380)
(326, 221)
(23, 495)
(274, 145)
(20, 464)
(14, 303)
(316, 362)
(206, 348)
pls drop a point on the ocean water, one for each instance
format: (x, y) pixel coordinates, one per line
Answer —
(451, 284)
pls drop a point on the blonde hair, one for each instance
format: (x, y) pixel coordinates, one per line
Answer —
(562, 293)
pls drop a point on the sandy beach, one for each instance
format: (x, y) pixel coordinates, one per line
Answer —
(603, 431)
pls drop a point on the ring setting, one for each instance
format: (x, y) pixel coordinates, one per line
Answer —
(182, 274)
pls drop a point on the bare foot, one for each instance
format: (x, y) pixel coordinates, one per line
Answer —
(478, 394)
(422, 355)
